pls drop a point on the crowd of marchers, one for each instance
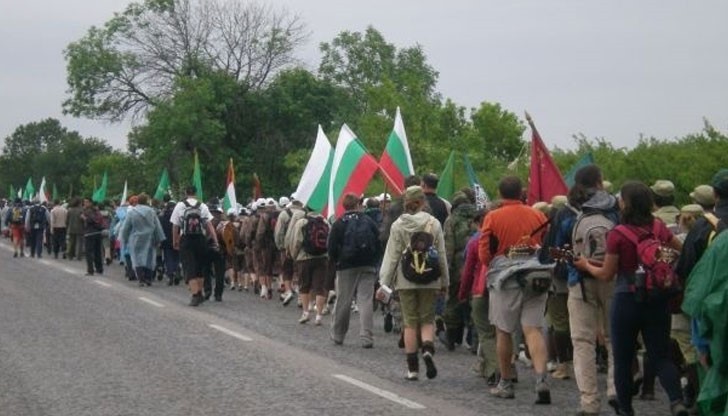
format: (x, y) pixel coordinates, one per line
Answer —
(596, 281)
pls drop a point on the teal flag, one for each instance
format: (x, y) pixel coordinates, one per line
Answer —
(29, 190)
(587, 159)
(100, 194)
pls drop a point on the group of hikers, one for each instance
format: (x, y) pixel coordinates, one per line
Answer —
(623, 283)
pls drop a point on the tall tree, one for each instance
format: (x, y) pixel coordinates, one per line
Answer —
(133, 61)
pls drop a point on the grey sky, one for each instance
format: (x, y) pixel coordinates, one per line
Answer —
(612, 69)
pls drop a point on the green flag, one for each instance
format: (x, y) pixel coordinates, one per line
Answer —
(29, 190)
(55, 192)
(587, 159)
(163, 186)
(100, 194)
(197, 177)
(446, 185)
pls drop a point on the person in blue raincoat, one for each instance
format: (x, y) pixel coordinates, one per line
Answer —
(141, 233)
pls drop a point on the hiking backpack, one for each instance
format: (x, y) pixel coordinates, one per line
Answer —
(192, 223)
(656, 272)
(315, 236)
(37, 216)
(361, 240)
(589, 235)
(16, 216)
(420, 261)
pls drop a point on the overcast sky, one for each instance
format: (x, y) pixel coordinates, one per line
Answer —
(611, 69)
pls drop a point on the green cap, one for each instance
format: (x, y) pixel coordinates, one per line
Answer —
(663, 188)
(414, 193)
(559, 201)
(692, 209)
(720, 180)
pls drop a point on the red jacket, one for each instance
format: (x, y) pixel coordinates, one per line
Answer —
(473, 279)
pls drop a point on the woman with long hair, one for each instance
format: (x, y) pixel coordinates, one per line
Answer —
(631, 315)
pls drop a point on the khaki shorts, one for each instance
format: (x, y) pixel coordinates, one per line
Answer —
(511, 309)
(418, 306)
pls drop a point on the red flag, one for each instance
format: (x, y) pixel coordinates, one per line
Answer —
(544, 180)
(257, 188)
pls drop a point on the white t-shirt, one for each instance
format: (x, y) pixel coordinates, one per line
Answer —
(179, 209)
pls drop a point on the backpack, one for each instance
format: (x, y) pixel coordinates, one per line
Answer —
(656, 273)
(192, 223)
(16, 216)
(266, 226)
(420, 261)
(37, 216)
(361, 240)
(589, 235)
(315, 236)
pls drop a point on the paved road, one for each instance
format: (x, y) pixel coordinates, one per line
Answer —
(76, 345)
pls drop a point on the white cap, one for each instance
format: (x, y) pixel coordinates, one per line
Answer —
(364, 203)
(384, 197)
(260, 202)
(271, 202)
(283, 201)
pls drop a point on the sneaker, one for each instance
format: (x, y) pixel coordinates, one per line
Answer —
(264, 292)
(679, 409)
(543, 393)
(430, 364)
(319, 320)
(412, 376)
(304, 318)
(504, 390)
(524, 359)
(287, 298)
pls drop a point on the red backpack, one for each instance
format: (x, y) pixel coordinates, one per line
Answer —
(656, 259)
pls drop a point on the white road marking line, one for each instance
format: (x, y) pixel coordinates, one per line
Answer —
(44, 261)
(69, 270)
(231, 333)
(379, 392)
(151, 302)
(104, 284)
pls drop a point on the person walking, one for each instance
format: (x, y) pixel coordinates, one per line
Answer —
(354, 248)
(631, 315)
(35, 225)
(59, 221)
(417, 299)
(93, 225)
(142, 233)
(75, 230)
(15, 218)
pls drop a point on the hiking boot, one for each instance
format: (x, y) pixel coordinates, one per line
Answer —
(543, 393)
(304, 318)
(562, 371)
(430, 364)
(196, 299)
(504, 390)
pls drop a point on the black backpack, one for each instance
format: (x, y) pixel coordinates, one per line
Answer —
(420, 261)
(192, 223)
(315, 236)
(361, 240)
(37, 216)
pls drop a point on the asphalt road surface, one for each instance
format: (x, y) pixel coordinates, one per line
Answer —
(77, 345)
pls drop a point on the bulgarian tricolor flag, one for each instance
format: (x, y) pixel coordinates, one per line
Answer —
(396, 162)
(313, 188)
(351, 170)
(230, 201)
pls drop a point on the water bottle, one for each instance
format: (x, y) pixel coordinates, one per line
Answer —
(640, 284)
(432, 253)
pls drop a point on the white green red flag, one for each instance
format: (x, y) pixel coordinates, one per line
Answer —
(351, 170)
(230, 201)
(42, 194)
(313, 188)
(396, 161)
